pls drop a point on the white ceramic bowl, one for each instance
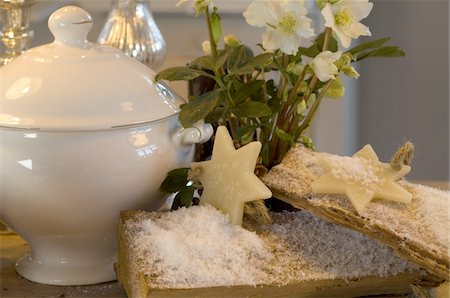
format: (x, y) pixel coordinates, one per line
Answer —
(85, 132)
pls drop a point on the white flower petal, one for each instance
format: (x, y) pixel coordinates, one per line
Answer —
(258, 14)
(290, 44)
(321, 70)
(304, 28)
(345, 39)
(331, 56)
(357, 29)
(360, 9)
(296, 6)
(271, 40)
(323, 65)
(285, 18)
(328, 14)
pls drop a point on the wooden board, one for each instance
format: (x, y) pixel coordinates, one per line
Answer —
(290, 182)
(136, 284)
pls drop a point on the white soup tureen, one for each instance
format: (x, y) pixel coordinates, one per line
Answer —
(85, 132)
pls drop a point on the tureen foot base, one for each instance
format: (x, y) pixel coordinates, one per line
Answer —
(66, 273)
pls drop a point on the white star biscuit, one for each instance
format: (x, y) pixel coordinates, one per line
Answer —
(361, 177)
(228, 179)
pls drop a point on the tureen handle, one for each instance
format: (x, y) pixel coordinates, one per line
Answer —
(70, 25)
(200, 132)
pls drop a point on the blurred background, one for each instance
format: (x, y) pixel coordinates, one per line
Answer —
(394, 100)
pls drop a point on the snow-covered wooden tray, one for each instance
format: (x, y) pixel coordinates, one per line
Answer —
(195, 252)
(418, 231)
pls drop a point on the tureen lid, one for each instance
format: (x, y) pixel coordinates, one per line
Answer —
(72, 84)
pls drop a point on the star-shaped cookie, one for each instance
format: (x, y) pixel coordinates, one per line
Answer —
(228, 179)
(361, 177)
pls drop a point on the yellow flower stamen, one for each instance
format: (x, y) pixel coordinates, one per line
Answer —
(287, 24)
(344, 17)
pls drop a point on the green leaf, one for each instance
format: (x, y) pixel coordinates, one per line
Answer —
(183, 198)
(284, 136)
(222, 58)
(387, 52)
(332, 44)
(216, 115)
(311, 52)
(369, 45)
(316, 48)
(175, 180)
(238, 57)
(216, 27)
(245, 134)
(199, 108)
(247, 90)
(271, 87)
(203, 62)
(180, 73)
(257, 61)
(252, 109)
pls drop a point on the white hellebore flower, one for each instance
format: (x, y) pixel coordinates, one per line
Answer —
(285, 20)
(324, 67)
(344, 16)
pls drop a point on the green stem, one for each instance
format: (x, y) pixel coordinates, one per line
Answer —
(328, 32)
(211, 36)
(290, 106)
(312, 85)
(294, 89)
(313, 110)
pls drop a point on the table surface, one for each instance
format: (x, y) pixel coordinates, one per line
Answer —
(12, 247)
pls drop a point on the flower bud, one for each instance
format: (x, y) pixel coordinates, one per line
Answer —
(350, 71)
(296, 69)
(301, 107)
(206, 47)
(303, 87)
(336, 90)
(231, 40)
(200, 5)
(345, 59)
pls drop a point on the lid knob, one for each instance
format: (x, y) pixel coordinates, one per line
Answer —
(70, 25)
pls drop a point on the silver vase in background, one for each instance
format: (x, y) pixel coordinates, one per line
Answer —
(131, 28)
(16, 34)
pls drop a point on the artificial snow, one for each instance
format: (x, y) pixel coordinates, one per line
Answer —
(353, 170)
(197, 247)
